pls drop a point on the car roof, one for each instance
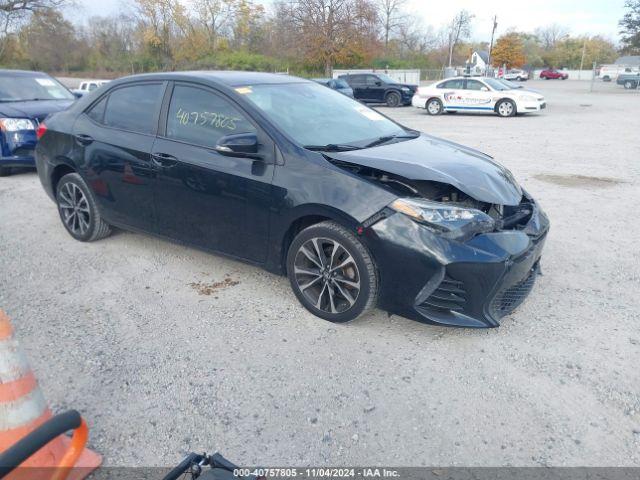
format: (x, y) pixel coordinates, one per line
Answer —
(226, 78)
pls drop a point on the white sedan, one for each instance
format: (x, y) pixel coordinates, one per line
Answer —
(478, 94)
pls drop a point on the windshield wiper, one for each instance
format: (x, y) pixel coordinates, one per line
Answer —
(388, 138)
(331, 147)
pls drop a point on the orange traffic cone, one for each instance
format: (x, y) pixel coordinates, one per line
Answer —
(23, 409)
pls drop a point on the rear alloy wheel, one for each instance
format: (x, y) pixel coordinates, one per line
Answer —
(434, 106)
(506, 108)
(4, 171)
(332, 273)
(629, 85)
(393, 99)
(78, 210)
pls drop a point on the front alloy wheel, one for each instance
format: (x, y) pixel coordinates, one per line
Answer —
(331, 272)
(628, 85)
(393, 99)
(506, 108)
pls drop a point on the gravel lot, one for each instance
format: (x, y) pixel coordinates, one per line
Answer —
(164, 352)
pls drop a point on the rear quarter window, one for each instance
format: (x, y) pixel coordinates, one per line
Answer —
(134, 108)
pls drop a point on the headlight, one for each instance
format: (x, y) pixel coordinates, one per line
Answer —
(448, 220)
(16, 124)
(406, 89)
(528, 98)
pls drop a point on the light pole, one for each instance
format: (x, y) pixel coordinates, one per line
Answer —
(495, 25)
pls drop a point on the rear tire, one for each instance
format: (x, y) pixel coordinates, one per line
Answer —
(332, 273)
(434, 106)
(628, 84)
(393, 99)
(5, 171)
(606, 78)
(78, 210)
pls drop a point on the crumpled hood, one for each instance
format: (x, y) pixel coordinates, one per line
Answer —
(437, 160)
(33, 109)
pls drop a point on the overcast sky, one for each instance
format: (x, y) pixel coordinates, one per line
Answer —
(586, 16)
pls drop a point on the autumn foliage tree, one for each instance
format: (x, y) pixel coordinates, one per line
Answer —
(509, 50)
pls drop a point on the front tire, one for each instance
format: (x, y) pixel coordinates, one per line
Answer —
(506, 108)
(5, 171)
(332, 273)
(393, 99)
(434, 106)
(629, 85)
(78, 210)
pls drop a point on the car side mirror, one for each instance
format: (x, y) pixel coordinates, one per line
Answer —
(484, 89)
(378, 83)
(239, 145)
(77, 94)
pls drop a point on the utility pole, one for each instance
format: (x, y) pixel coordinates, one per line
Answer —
(495, 25)
(584, 48)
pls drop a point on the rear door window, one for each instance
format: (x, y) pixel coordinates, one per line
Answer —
(202, 117)
(456, 84)
(359, 80)
(134, 108)
(474, 85)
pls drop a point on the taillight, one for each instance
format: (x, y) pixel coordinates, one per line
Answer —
(42, 128)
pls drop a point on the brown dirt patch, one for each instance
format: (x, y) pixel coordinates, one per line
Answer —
(578, 180)
(204, 288)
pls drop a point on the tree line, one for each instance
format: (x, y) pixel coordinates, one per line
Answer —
(301, 36)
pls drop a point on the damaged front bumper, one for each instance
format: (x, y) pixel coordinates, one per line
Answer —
(469, 284)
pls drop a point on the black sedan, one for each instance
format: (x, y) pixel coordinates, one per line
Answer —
(284, 173)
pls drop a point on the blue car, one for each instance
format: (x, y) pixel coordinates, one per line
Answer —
(336, 84)
(26, 98)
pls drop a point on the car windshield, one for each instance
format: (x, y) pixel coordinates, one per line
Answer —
(509, 83)
(314, 115)
(385, 78)
(496, 84)
(16, 88)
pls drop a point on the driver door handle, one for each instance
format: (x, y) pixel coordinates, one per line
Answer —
(163, 159)
(83, 139)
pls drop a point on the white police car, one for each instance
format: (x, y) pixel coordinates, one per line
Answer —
(476, 94)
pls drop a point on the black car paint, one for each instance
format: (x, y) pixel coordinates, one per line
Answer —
(250, 209)
(16, 149)
(375, 90)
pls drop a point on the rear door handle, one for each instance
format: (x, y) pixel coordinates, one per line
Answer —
(163, 159)
(83, 139)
